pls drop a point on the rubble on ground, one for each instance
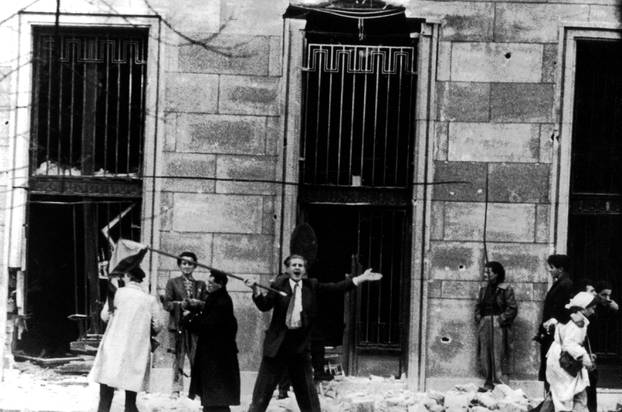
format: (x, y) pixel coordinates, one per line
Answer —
(376, 394)
(30, 387)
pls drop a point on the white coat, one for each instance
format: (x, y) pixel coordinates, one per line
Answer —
(122, 360)
(569, 337)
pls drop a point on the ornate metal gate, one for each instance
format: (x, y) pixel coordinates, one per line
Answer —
(356, 173)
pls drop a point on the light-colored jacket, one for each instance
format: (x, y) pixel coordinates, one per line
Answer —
(122, 360)
(569, 337)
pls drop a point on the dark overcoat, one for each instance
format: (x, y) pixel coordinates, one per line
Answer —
(554, 307)
(215, 373)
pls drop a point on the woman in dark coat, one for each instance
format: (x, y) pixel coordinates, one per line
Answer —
(215, 372)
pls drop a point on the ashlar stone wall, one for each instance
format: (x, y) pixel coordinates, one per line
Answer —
(495, 121)
(222, 118)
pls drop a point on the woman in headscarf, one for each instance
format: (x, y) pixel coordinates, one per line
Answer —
(215, 371)
(567, 391)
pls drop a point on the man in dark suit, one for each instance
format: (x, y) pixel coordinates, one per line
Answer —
(554, 310)
(184, 295)
(287, 341)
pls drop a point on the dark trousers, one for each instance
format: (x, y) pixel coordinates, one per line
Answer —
(185, 347)
(271, 370)
(591, 390)
(106, 394)
(216, 409)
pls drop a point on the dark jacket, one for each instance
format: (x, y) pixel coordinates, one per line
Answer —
(554, 307)
(277, 329)
(175, 294)
(556, 299)
(216, 372)
(505, 301)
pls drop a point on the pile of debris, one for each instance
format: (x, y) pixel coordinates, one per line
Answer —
(377, 394)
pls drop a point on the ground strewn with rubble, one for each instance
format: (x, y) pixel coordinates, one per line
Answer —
(28, 387)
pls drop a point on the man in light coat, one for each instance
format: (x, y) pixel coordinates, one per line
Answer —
(122, 360)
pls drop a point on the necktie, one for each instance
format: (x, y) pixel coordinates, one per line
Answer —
(292, 319)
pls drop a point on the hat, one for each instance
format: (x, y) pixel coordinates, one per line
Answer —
(581, 300)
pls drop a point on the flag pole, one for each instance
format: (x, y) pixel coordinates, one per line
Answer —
(199, 264)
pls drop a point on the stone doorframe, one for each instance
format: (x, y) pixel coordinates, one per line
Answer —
(288, 149)
(564, 105)
(13, 251)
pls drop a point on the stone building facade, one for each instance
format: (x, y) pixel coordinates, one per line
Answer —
(492, 126)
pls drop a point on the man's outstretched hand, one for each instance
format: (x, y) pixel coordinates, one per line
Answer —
(368, 276)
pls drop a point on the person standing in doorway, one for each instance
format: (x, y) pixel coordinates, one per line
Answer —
(184, 296)
(494, 313)
(287, 341)
(554, 310)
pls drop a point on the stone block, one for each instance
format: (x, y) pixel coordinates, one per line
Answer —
(523, 262)
(170, 127)
(496, 62)
(217, 213)
(549, 63)
(526, 352)
(464, 221)
(175, 242)
(494, 142)
(437, 221)
(259, 171)
(250, 336)
(506, 222)
(188, 92)
(435, 288)
(221, 134)
(471, 178)
(185, 170)
(243, 253)
(458, 101)
(521, 102)
(269, 216)
(441, 136)
(605, 14)
(519, 182)
(5, 127)
(226, 54)
(456, 261)
(254, 17)
(511, 222)
(547, 142)
(454, 289)
(275, 62)
(452, 343)
(166, 210)
(195, 15)
(539, 291)
(5, 86)
(274, 133)
(542, 223)
(520, 22)
(460, 20)
(249, 95)
(522, 291)
(443, 62)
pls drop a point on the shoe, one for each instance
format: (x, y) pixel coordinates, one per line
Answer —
(175, 395)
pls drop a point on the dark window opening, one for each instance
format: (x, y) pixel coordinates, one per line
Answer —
(89, 101)
(595, 206)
